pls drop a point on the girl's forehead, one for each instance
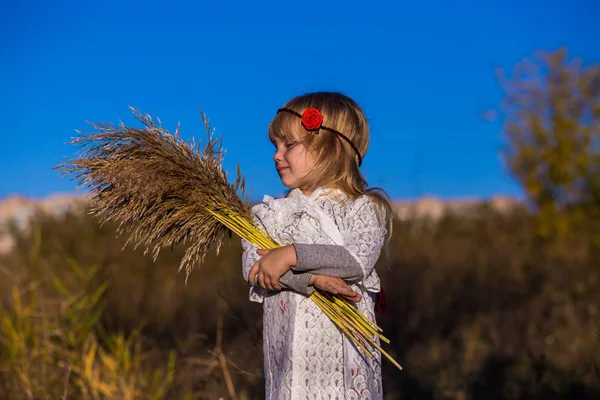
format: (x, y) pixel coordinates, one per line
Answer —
(287, 131)
(287, 135)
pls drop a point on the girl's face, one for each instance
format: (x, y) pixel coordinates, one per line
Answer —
(293, 163)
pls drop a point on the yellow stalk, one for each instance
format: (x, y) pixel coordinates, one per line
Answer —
(361, 319)
(254, 231)
(246, 227)
(355, 311)
(356, 326)
(349, 328)
(353, 323)
(356, 317)
(327, 312)
(250, 236)
(362, 326)
(251, 228)
(374, 344)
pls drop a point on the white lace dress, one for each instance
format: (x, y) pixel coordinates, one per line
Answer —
(305, 354)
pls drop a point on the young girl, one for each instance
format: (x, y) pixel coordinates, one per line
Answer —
(333, 229)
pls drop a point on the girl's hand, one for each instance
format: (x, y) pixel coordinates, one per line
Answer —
(334, 285)
(272, 265)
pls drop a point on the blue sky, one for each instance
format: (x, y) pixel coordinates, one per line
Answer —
(423, 74)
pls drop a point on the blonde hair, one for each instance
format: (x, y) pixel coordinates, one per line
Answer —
(336, 163)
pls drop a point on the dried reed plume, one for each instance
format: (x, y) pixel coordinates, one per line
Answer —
(165, 191)
(157, 187)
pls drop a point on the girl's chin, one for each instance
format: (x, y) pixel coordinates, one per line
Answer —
(288, 183)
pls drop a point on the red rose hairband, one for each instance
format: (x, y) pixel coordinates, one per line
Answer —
(312, 120)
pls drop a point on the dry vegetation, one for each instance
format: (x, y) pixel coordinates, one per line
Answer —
(480, 308)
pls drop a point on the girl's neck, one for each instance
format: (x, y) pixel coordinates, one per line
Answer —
(308, 192)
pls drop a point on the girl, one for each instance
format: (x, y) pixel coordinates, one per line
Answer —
(333, 229)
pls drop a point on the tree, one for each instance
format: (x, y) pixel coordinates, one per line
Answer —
(551, 115)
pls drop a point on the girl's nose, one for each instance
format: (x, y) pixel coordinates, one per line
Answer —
(277, 156)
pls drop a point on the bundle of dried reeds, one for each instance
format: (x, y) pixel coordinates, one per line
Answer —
(164, 191)
(157, 186)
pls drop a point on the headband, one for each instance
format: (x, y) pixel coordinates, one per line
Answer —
(312, 120)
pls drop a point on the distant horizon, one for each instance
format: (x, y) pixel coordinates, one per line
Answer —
(257, 199)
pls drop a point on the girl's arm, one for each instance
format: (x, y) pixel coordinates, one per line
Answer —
(306, 282)
(364, 237)
(320, 259)
(293, 266)
(327, 259)
(249, 257)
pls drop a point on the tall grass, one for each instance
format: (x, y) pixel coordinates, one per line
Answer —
(52, 346)
(479, 308)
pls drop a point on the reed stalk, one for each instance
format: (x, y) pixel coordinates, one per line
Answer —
(164, 191)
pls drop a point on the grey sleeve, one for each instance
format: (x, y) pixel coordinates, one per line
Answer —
(327, 259)
(297, 282)
(322, 259)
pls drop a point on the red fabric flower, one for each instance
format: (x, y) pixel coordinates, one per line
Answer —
(312, 119)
